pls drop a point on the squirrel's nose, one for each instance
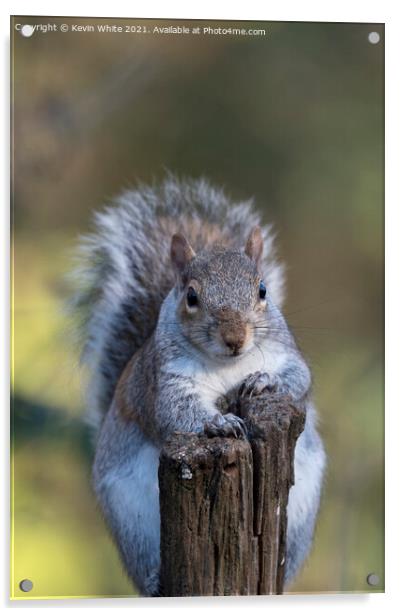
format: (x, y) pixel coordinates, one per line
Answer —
(233, 346)
(233, 329)
(234, 341)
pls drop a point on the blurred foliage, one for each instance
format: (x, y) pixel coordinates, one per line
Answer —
(294, 119)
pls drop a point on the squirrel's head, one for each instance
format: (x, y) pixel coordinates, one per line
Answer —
(222, 298)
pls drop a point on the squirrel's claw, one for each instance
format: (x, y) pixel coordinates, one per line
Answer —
(225, 425)
(256, 383)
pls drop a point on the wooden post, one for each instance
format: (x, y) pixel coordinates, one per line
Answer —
(223, 504)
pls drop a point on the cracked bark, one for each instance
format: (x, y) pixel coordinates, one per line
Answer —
(223, 504)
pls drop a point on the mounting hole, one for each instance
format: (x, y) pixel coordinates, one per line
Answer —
(26, 585)
(374, 38)
(373, 579)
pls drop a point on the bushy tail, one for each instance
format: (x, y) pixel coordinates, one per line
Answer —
(124, 270)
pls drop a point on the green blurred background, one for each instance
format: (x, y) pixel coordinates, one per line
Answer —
(294, 119)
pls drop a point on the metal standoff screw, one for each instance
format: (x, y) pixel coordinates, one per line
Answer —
(26, 585)
(373, 579)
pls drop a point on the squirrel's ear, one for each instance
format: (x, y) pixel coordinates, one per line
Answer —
(181, 251)
(254, 245)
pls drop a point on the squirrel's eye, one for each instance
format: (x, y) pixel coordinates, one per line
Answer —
(192, 298)
(262, 290)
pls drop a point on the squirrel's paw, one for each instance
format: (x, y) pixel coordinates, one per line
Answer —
(256, 383)
(225, 425)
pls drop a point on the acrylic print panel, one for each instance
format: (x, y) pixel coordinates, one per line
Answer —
(175, 126)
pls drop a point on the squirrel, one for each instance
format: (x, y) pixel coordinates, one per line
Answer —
(180, 297)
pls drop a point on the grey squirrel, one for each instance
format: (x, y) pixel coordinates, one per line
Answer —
(180, 297)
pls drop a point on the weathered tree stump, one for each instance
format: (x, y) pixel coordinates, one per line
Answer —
(223, 504)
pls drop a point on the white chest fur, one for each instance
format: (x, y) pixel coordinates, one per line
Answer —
(212, 379)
